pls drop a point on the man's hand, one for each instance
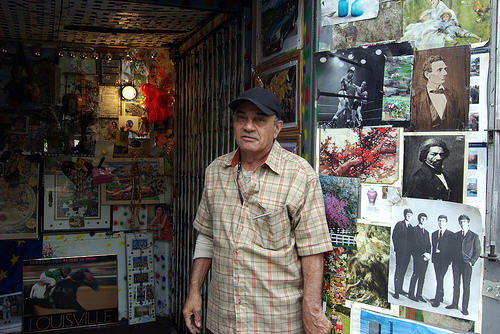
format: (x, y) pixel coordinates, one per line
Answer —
(315, 321)
(192, 311)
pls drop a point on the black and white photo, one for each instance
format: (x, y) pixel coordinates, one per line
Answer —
(435, 266)
(350, 85)
(434, 166)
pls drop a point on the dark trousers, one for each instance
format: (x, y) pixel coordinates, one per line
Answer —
(418, 276)
(461, 272)
(402, 261)
(440, 269)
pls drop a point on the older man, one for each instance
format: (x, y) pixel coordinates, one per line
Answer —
(435, 106)
(430, 181)
(262, 231)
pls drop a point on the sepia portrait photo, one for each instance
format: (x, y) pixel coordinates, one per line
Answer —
(440, 98)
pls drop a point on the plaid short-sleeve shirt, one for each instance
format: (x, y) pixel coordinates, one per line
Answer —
(257, 283)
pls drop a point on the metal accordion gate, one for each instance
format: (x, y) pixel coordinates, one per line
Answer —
(209, 76)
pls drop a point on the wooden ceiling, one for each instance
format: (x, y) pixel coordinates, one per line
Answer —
(107, 23)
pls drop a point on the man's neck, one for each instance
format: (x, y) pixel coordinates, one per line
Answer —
(250, 161)
(433, 86)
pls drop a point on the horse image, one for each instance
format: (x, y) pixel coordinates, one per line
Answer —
(63, 294)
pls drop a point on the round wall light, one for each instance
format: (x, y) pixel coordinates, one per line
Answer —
(129, 92)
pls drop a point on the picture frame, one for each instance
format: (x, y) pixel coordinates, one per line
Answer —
(59, 211)
(20, 205)
(88, 298)
(279, 28)
(284, 78)
(291, 143)
(119, 191)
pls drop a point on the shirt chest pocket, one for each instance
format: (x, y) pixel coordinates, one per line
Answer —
(269, 228)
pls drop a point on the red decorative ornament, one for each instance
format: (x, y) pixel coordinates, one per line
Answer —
(158, 103)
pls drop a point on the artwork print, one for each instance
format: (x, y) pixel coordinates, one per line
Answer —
(387, 26)
(140, 278)
(11, 315)
(283, 81)
(440, 23)
(435, 260)
(280, 27)
(335, 281)
(133, 180)
(397, 88)
(370, 154)
(341, 11)
(66, 209)
(428, 155)
(440, 89)
(350, 85)
(341, 196)
(83, 292)
(19, 183)
(124, 219)
(78, 244)
(368, 266)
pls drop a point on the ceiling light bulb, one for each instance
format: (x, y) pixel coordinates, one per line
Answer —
(60, 53)
(153, 55)
(95, 55)
(109, 56)
(71, 54)
(83, 55)
(36, 53)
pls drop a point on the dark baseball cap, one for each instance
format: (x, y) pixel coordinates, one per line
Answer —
(264, 99)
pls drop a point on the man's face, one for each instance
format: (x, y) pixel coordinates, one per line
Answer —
(422, 220)
(408, 216)
(254, 131)
(435, 157)
(442, 223)
(465, 225)
(438, 73)
(434, 3)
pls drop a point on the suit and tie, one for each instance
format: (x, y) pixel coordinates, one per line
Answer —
(400, 237)
(420, 244)
(442, 242)
(467, 251)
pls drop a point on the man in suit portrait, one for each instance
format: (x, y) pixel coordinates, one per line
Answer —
(421, 252)
(433, 106)
(442, 242)
(467, 251)
(400, 237)
(430, 181)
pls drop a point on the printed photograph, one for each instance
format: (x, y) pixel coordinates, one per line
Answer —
(340, 11)
(434, 259)
(387, 26)
(341, 196)
(397, 88)
(11, 313)
(370, 154)
(81, 288)
(376, 202)
(441, 82)
(350, 85)
(434, 166)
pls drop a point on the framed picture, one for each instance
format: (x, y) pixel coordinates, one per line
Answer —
(279, 28)
(19, 207)
(291, 142)
(283, 78)
(64, 210)
(84, 292)
(132, 179)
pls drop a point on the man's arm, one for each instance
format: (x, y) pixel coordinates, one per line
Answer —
(192, 306)
(315, 321)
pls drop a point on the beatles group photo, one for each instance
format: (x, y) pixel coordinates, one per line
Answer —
(435, 257)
